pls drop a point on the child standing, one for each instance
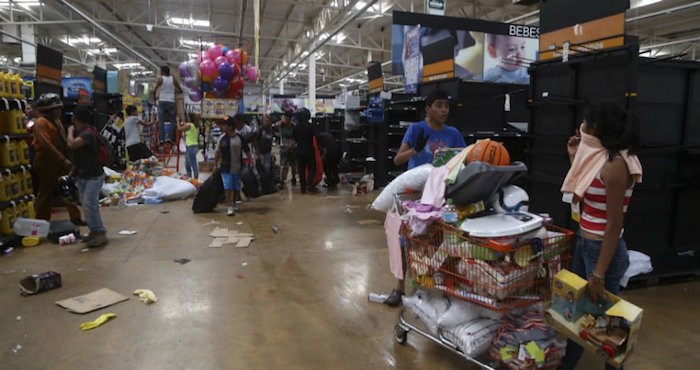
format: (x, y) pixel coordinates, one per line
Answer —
(191, 130)
(229, 158)
(132, 132)
(83, 142)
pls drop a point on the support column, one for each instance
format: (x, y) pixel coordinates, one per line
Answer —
(281, 87)
(312, 83)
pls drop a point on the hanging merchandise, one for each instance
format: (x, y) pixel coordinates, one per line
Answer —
(8, 153)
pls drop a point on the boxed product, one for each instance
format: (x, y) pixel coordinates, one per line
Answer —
(609, 329)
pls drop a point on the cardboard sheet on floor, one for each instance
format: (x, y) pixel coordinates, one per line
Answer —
(244, 242)
(218, 242)
(92, 301)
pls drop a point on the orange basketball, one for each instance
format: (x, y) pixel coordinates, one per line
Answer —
(491, 152)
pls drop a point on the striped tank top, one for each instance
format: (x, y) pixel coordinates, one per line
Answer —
(594, 216)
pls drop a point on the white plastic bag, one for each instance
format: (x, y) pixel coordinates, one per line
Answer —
(474, 337)
(168, 188)
(413, 179)
(428, 308)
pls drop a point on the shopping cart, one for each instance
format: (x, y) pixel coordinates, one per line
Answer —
(500, 275)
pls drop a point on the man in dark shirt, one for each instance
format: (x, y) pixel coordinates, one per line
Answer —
(330, 154)
(89, 176)
(263, 142)
(306, 159)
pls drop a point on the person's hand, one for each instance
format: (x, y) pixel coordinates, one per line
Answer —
(421, 141)
(71, 129)
(573, 143)
(596, 290)
(67, 164)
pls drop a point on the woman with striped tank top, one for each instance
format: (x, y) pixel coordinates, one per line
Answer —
(599, 185)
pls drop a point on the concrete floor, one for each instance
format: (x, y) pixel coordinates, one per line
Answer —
(293, 300)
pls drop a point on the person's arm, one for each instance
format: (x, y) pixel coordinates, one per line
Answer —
(159, 82)
(183, 126)
(73, 141)
(217, 154)
(572, 145)
(616, 177)
(144, 123)
(178, 87)
(42, 139)
(405, 153)
(411, 146)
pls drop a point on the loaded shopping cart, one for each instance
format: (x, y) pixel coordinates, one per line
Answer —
(497, 262)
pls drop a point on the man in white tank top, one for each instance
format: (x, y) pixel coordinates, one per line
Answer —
(168, 87)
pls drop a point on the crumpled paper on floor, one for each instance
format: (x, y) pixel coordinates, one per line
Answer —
(97, 322)
(146, 296)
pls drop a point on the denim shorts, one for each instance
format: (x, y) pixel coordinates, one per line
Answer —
(585, 258)
(232, 181)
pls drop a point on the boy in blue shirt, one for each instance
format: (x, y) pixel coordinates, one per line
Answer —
(425, 137)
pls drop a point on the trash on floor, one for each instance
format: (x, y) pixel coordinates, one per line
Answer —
(40, 282)
(92, 301)
(244, 242)
(244, 264)
(218, 242)
(227, 234)
(146, 296)
(377, 298)
(239, 223)
(7, 251)
(368, 222)
(165, 211)
(212, 222)
(84, 250)
(275, 229)
(97, 322)
(19, 318)
(182, 261)
(31, 241)
(67, 239)
(17, 348)
(128, 232)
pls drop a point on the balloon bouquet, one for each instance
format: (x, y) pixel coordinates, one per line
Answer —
(217, 73)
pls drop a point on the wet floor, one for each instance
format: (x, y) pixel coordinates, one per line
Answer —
(296, 299)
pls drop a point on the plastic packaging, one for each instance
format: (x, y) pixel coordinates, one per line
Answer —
(8, 219)
(32, 227)
(152, 200)
(31, 241)
(377, 298)
(8, 154)
(450, 216)
(16, 86)
(31, 211)
(23, 156)
(67, 239)
(3, 85)
(26, 178)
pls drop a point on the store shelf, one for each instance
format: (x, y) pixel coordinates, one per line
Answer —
(9, 104)
(489, 134)
(17, 136)
(17, 168)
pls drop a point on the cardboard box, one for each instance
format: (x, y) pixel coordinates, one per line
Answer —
(567, 291)
(618, 315)
(205, 166)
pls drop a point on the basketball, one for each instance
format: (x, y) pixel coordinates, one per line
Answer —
(491, 152)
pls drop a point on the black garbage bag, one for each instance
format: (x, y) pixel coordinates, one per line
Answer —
(267, 178)
(209, 194)
(250, 184)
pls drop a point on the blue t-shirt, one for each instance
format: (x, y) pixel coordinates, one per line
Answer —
(448, 137)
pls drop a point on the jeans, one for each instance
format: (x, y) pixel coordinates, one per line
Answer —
(191, 161)
(306, 165)
(583, 263)
(89, 190)
(166, 113)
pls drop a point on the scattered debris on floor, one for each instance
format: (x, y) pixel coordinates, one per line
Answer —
(19, 318)
(128, 232)
(224, 236)
(244, 264)
(212, 222)
(92, 301)
(88, 325)
(84, 250)
(7, 251)
(218, 242)
(348, 210)
(40, 282)
(146, 296)
(182, 261)
(275, 229)
(334, 197)
(368, 222)
(67, 239)
(9, 271)
(165, 211)
(377, 298)
(351, 206)
(17, 348)
(239, 223)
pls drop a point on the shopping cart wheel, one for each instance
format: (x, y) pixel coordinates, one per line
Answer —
(400, 334)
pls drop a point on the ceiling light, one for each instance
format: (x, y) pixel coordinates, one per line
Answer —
(17, 60)
(84, 39)
(195, 43)
(128, 66)
(26, 4)
(640, 3)
(339, 37)
(102, 51)
(360, 4)
(188, 22)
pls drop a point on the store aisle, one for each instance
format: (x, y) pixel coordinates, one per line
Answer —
(293, 300)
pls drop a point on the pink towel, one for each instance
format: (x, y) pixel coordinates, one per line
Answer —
(434, 190)
(392, 228)
(589, 160)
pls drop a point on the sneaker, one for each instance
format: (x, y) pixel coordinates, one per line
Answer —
(231, 211)
(86, 238)
(294, 182)
(97, 240)
(78, 222)
(394, 299)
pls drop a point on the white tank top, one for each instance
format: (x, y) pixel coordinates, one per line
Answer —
(167, 89)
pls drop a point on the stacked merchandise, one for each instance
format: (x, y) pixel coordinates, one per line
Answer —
(116, 137)
(16, 189)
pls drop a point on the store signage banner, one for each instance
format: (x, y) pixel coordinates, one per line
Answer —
(49, 64)
(219, 108)
(73, 85)
(374, 74)
(599, 34)
(436, 7)
(429, 48)
(100, 79)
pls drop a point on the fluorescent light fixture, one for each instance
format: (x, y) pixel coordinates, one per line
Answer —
(192, 55)
(17, 60)
(640, 3)
(191, 22)
(25, 4)
(360, 4)
(102, 51)
(187, 42)
(84, 39)
(128, 66)
(339, 37)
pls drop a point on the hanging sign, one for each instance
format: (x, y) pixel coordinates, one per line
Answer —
(435, 7)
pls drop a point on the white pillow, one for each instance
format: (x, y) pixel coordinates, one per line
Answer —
(413, 179)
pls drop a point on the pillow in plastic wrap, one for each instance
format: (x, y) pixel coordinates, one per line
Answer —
(474, 337)
(428, 308)
(459, 313)
(413, 179)
(168, 188)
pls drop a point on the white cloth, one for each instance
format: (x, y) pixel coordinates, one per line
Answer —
(640, 263)
(434, 190)
(167, 89)
(132, 131)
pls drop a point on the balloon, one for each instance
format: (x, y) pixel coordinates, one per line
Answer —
(192, 82)
(220, 84)
(224, 50)
(206, 87)
(195, 95)
(184, 71)
(252, 74)
(220, 59)
(219, 94)
(215, 51)
(204, 55)
(233, 56)
(237, 85)
(193, 68)
(236, 70)
(226, 71)
(208, 68)
(244, 57)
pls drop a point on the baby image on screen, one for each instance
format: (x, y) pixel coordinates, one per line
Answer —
(505, 59)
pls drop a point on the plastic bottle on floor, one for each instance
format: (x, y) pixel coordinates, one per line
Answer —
(31, 227)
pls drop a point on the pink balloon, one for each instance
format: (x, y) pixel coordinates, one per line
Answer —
(233, 56)
(204, 55)
(208, 68)
(215, 51)
(252, 74)
(220, 59)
